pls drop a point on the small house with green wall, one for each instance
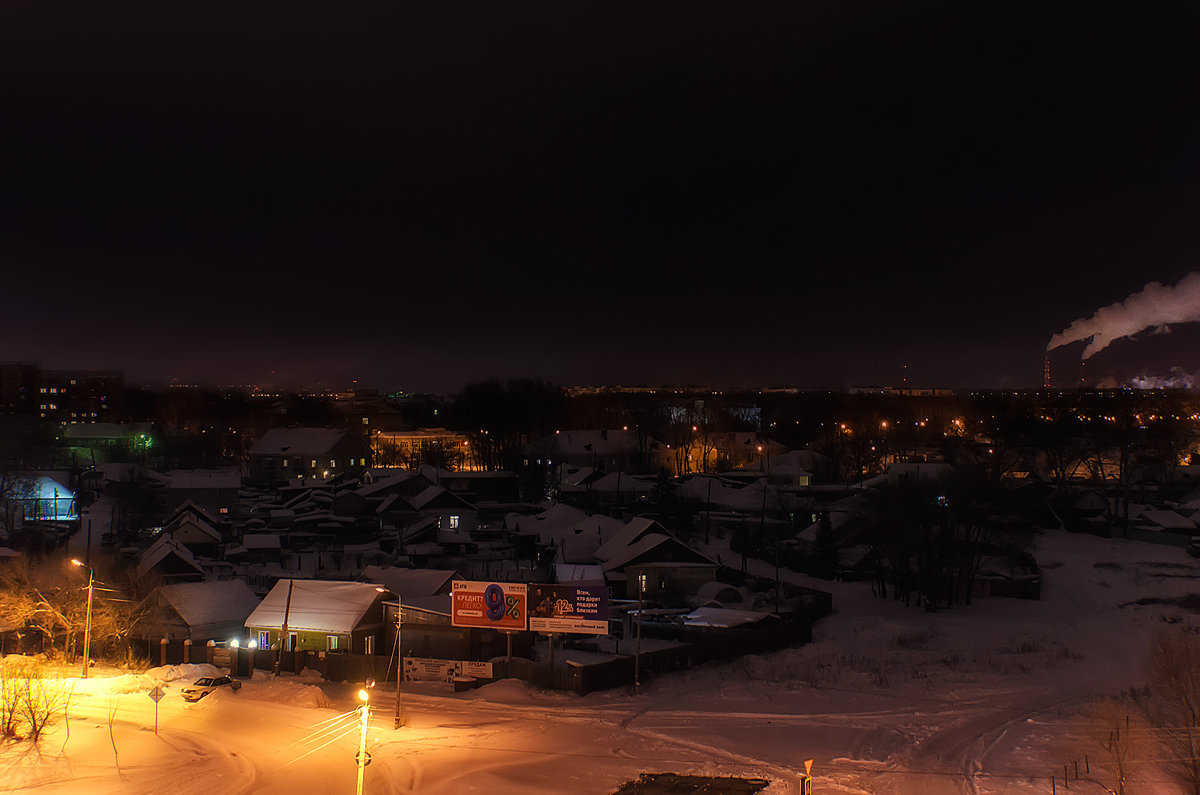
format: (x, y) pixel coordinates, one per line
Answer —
(321, 615)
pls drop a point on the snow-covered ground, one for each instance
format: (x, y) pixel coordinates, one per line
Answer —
(990, 698)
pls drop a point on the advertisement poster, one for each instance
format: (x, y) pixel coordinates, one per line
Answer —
(419, 669)
(490, 605)
(580, 609)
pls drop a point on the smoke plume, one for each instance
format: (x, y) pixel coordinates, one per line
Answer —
(1155, 307)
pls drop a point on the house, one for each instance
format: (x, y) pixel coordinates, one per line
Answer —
(321, 615)
(412, 502)
(199, 611)
(215, 491)
(574, 535)
(191, 526)
(307, 454)
(645, 553)
(169, 561)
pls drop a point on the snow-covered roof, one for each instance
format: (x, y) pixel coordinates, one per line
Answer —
(387, 483)
(411, 583)
(200, 603)
(1168, 520)
(320, 605)
(722, 617)
(637, 528)
(298, 441)
(577, 573)
(260, 541)
(226, 478)
(161, 549)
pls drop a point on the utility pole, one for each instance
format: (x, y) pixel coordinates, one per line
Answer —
(87, 626)
(637, 649)
(399, 655)
(283, 633)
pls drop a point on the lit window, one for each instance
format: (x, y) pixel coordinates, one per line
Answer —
(453, 522)
(314, 464)
(264, 639)
(366, 421)
(42, 390)
(332, 464)
(285, 463)
(53, 405)
(362, 462)
(53, 390)
(72, 382)
(223, 510)
(43, 407)
(369, 644)
(331, 642)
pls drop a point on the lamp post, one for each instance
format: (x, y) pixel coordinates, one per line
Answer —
(364, 712)
(399, 655)
(87, 625)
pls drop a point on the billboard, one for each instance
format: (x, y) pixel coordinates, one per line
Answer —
(491, 605)
(568, 608)
(419, 669)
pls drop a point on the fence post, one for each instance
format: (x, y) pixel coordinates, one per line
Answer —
(162, 651)
(187, 650)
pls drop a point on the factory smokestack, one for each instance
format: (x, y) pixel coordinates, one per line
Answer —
(1155, 307)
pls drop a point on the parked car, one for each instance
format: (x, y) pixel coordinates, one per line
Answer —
(207, 684)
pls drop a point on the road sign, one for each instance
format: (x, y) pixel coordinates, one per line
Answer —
(157, 693)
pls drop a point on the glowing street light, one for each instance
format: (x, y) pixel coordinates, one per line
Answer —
(364, 711)
(87, 625)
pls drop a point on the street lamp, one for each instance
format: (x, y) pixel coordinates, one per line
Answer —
(87, 626)
(364, 711)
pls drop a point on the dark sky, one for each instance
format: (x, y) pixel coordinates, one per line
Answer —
(420, 195)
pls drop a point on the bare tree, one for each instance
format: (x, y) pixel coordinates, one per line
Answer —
(1175, 704)
(43, 699)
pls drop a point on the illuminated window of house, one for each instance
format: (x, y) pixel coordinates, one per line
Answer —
(453, 522)
(264, 639)
(369, 644)
(332, 464)
(314, 464)
(331, 642)
(285, 463)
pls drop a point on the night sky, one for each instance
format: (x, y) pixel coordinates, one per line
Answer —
(419, 195)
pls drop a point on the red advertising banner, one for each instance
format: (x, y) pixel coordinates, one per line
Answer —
(491, 605)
